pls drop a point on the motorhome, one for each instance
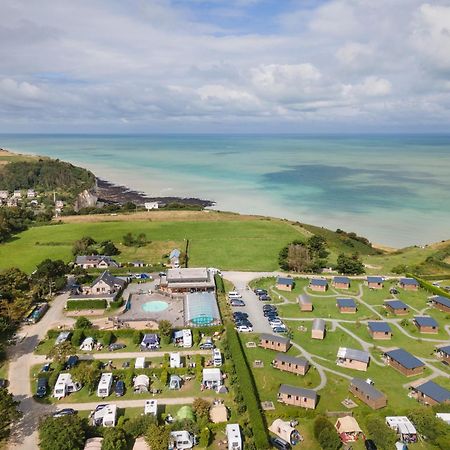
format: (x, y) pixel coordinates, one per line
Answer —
(181, 440)
(65, 385)
(233, 436)
(104, 415)
(151, 407)
(217, 357)
(104, 385)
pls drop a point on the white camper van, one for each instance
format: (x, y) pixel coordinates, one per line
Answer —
(175, 360)
(65, 385)
(217, 357)
(104, 415)
(181, 440)
(187, 338)
(151, 407)
(233, 436)
(104, 385)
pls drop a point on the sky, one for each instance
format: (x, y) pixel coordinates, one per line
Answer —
(296, 66)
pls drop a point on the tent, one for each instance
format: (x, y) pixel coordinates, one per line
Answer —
(218, 413)
(175, 382)
(185, 413)
(88, 344)
(140, 363)
(141, 384)
(285, 431)
(348, 429)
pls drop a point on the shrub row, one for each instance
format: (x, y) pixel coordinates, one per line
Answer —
(248, 389)
(429, 286)
(77, 305)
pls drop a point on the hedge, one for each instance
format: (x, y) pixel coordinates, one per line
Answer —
(248, 389)
(77, 305)
(429, 286)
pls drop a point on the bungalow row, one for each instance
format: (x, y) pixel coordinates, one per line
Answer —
(367, 393)
(292, 364)
(318, 284)
(409, 284)
(284, 283)
(404, 362)
(341, 283)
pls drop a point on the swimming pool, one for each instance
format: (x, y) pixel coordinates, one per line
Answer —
(155, 306)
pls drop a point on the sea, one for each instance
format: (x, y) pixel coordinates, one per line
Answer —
(392, 189)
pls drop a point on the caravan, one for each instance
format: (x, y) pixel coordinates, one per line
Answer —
(151, 407)
(65, 385)
(234, 436)
(104, 385)
(175, 360)
(217, 357)
(181, 440)
(104, 415)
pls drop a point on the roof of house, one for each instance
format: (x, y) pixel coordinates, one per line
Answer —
(285, 280)
(425, 321)
(396, 304)
(351, 353)
(375, 279)
(434, 391)
(318, 282)
(274, 338)
(305, 299)
(441, 300)
(83, 259)
(381, 327)
(109, 279)
(347, 424)
(318, 324)
(291, 359)
(367, 388)
(300, 392)
(345, 280)
(175, 253)
(445, 349)
(346, 303)
(404, 358)
(409, 281)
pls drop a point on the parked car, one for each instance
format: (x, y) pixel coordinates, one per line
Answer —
(269, 308)
(244, 323)
(207, 344)
(46, 367)
(370, 445)
(71, 362)
(237, 303)
(237, 314)
(279, 329)
(244, 329)
(41, 389)
(258, 291)
(119, 388)
(64, 412)
(265, 298)
(116, 346)
(393, 291)
(279, 443)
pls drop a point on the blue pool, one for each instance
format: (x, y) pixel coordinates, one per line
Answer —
(155, 306)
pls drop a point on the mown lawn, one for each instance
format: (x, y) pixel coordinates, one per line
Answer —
(239, 244)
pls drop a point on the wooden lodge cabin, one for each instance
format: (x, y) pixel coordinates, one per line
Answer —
(295, 396)
(318, 329)
(443, 353)
(426, 325)
(285, 284)
(375, 282)
(305, 303)
(341, 282)
(396, 307)
(346, 305)
(430, 393)
(440, 302)
(292, 364)
(318, 284)
(409, 284)
(404, 362)
(353, 359)
(272, 342)
(379, 330)
(367, 393)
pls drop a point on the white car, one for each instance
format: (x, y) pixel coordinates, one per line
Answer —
(276, 323)
(244, 329)
(233, 295)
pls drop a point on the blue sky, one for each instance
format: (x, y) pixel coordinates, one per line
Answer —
(224, 66)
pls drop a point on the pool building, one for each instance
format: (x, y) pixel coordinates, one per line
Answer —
(200, 309)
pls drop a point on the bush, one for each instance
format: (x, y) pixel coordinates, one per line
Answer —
(114, 439)
(201, 408)
(137, 337)
(62, 433)
(205, 436)
(116, 304)
(383, 436)
(164, 377)
(83, 323)
(107, 338)
(78, 305)
(77, 337)
(329, 439)
(138, 426)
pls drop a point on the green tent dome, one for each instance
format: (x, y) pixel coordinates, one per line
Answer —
(185, 413)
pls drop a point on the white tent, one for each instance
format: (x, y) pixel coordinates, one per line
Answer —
(88, 344)
(285, 431)
(141, 384)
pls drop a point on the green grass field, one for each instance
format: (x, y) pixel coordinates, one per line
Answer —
(239, 244)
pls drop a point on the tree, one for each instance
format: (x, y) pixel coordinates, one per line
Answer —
(9, 412)
(383, 436)
(165, 328)
(201, 408)
(128, 240)
(317, 246)
(298, 257)
(137, 426)
(350, 265)
(329, 439)
(77, 337)
(114, 439)
(108, 248)
(205, 436)
(84, 246)
(83, 323)
(87, 373)
(62, 433)
(49, 276)
(320, 424)
(157, 437)
(429, 425)
(59, 353)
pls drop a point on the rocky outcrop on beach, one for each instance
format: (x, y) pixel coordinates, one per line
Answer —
(86, 199)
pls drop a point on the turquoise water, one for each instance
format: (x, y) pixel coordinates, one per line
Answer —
(392, 189)
(155, 306)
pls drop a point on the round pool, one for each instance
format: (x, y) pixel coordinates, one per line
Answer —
(155, 306)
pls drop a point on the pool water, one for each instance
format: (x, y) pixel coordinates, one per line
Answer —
(155, 306)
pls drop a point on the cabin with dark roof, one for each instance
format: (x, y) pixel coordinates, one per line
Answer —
(285, 284)
(292, 364)
(305, 303)
(353, 359)
(443, 353)
(440, 302)
(375, 282)
(272, 342)
(404, 362)
(318, 284)
(409, 284)
(430, 393)
(318, 329)
(341, 282)
(396, 307)
(367, 393)
(295, 396)
(379, 330)
(426, 324)
(346, 305)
